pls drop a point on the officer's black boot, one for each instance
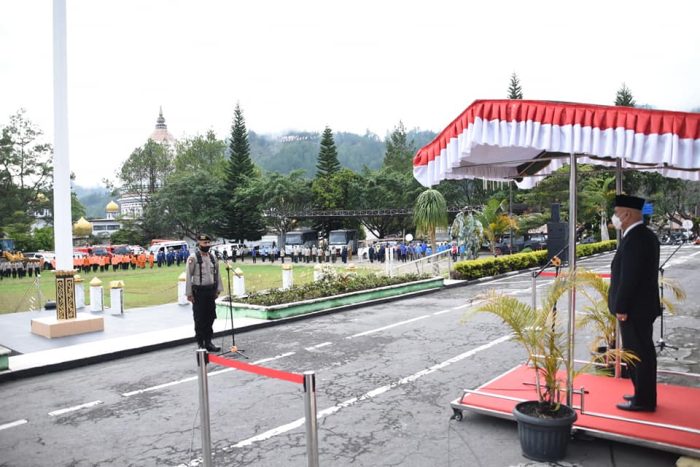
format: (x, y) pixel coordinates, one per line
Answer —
(211, 347)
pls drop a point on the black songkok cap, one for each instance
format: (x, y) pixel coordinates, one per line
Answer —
(625, 201)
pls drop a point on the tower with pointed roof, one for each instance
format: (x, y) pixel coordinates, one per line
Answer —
(160, 133)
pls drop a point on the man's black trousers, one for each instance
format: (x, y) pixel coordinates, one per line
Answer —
(204, 311)
(637, 337)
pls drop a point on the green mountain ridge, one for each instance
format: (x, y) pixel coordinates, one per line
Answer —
(285, 153)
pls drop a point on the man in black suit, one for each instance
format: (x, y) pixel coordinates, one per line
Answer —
(634, 298)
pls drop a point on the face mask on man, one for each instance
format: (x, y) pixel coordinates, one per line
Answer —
(617, 223)
(204, 249)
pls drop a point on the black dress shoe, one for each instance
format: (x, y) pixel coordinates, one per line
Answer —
(631, 407)
(628, 397)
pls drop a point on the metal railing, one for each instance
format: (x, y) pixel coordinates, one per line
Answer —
(437, 264)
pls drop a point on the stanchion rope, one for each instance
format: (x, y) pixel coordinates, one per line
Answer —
(259, 370)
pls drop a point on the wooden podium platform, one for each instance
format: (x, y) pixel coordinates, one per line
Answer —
(674, 427)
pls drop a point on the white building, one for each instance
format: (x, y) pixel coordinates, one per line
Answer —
(131, 205)
(106, 226)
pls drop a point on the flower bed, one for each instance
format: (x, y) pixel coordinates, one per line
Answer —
(324, 295)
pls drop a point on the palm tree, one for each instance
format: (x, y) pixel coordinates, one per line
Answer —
(495, 221)
(596, 197)
(429, 213)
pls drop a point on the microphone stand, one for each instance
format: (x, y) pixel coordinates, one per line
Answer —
(234, 348)
(661, 343)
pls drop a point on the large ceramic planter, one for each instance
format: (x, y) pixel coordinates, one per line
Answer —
(287, 310)
(544, 439)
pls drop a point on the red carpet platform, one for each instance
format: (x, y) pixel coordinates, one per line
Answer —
(674, 427)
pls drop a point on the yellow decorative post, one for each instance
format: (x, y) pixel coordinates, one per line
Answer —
(318, 273)
(116, 296)
(287, 276)
(96, 296)
(238, 283)
(182, 289)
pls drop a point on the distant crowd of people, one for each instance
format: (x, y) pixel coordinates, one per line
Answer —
(296, 254)
(19, 269)
(168, 257)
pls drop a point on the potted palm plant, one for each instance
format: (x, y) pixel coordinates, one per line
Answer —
(597, 317)
(544, 425)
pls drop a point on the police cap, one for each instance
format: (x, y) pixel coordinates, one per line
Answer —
(203, 238)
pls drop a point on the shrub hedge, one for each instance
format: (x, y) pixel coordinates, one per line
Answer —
(484, 267)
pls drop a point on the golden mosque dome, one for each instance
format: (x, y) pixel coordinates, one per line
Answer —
(82, 227)
(112, 207)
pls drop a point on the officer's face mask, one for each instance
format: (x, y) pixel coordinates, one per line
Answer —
(616, 221)
(204, 248)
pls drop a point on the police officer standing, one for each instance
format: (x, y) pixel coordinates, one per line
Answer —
(203, 285)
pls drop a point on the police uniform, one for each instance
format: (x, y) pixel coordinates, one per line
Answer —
(203, 284)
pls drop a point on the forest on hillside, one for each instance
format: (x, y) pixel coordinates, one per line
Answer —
(284, 154)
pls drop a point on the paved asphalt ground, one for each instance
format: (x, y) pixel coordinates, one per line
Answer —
(386, 374)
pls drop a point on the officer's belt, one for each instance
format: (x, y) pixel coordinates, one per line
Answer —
(204, 287)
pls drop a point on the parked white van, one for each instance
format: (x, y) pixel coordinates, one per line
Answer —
(175, 245)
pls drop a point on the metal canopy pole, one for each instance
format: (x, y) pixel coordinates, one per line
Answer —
(311, 418)
(618, 337)
(204, 424)
(572, 291)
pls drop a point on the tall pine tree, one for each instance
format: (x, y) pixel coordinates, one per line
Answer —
(399, 151)
(328, 163)
(240, 165)
(241, 208)
(624, 97)
(514, 90)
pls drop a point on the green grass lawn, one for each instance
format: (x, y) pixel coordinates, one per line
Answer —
(142, 287)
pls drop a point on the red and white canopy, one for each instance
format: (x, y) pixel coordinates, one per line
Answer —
(511, 139)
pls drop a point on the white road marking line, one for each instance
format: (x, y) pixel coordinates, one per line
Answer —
(460, 307)
(368, 395)
(317, 346)
(270, 359)
(13, 424)
(194, 378)
(400, 323)
(74, 408)
(160, 386)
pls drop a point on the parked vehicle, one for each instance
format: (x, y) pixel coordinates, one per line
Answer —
(165, 245)
(504, 246)
(343, 237)
(536, 242)
(302, 238)
(675, 238)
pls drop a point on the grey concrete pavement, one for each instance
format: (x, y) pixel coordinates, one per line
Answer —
(385, 372)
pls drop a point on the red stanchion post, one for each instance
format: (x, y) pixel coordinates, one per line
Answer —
(204, 406)
(310, 416)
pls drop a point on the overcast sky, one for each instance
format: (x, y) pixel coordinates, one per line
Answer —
(355, 66)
